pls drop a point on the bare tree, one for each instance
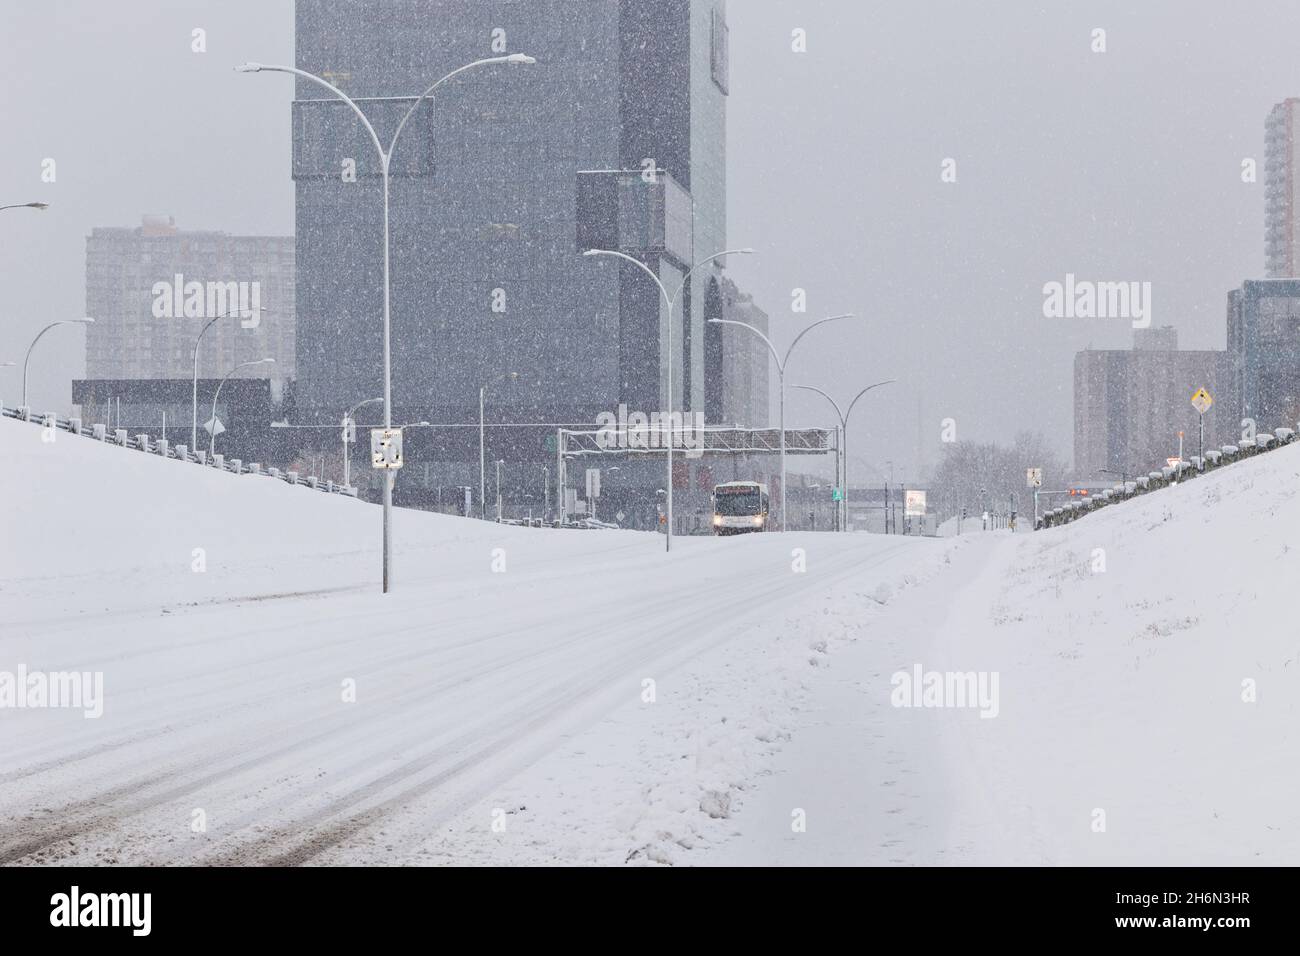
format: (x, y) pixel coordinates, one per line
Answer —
(977, 476)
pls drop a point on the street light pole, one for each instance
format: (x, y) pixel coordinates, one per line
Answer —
(194, 404)
(482, 453)
(546, 494)
(86, 321)
(780, 372)
(347, 419)
(499, 463)
(670, 301)
(212, 438)
(385, 157)
(844, 425)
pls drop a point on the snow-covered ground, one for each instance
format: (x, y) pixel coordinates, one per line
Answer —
(537, 696)
(229, 732)
(1148, 713)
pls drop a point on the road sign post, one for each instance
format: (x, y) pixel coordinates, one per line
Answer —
(1034, 479)
(593, 489)
(1201, 401)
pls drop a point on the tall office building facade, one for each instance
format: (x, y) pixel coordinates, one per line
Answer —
(615, 138)
(1281, 190)
(742, 390)
(1264, 349)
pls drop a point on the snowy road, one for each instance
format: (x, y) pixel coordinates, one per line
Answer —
(530, 696)
(228, 735)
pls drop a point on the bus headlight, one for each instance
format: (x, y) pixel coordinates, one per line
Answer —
(717, 520)
(758, 520)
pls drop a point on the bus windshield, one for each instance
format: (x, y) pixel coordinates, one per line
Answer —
(737, 503)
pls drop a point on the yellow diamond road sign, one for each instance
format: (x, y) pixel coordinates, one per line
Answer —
(1202, 401)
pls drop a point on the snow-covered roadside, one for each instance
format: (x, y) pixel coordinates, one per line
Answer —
(666, 781)
(864, 782)
(1150, 692)
(1148, 704)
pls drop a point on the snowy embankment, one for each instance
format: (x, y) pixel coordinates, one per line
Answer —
(262, 702)
(1147, 668)
(1150, 680)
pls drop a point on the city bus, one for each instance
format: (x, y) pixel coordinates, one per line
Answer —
(739, 507)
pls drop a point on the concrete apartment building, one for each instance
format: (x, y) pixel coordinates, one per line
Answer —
(1130, 404)
(1281, 190)
(150, 290)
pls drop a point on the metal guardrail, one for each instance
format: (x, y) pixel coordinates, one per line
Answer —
(1170, 475)
(161, 447)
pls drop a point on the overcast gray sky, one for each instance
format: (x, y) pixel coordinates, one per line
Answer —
(1123, 165)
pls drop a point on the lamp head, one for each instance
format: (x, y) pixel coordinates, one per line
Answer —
(521, 58)
(249, 67)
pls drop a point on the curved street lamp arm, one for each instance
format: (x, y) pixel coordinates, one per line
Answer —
(41, 333)
(203, 331)
(353, 410)
(374, 137)
(489, 61)
(890, 381)
(768, 342)
(829, 318)
(233, 371)
(636, 262)
(834, 404)
(703, 262)
(217, 394)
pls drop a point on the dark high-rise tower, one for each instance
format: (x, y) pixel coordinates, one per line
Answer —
(498, 184)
